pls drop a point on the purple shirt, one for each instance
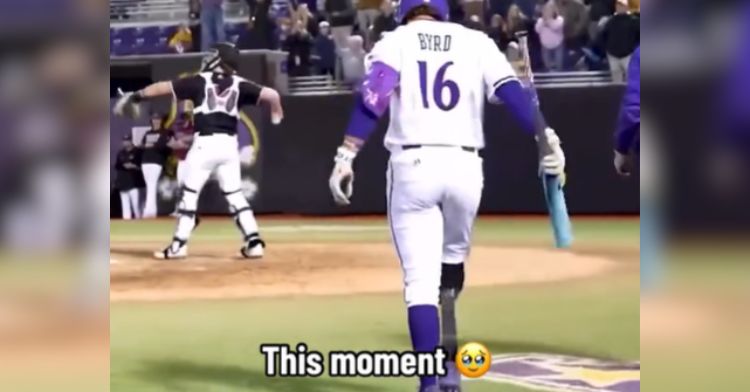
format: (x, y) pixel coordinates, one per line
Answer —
(212, 3)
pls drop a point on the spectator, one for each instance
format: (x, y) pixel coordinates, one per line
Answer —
(517, 21)
(500, 7)
(576, 18)
(251, 6)
(281, 11)
(353, 60)
(598, 11)
(341, 17)
(550, 30)
(307, 18)
(385, 22)
(326, 49)
(194, 9)
(260, 28)
(620, 36)
(182, 40)
(528, 7)
(498, 32)
(456, 10)
(299, 44)
(128, 178)
(367, 12)
(474, 23)
(212, 24)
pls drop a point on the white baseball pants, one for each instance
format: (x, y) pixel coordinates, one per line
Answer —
(433, 198)
(151, 174)
(130, 202)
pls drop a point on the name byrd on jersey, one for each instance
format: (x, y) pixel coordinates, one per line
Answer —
(445, 73)
(435, 43)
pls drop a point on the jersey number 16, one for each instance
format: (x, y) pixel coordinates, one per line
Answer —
(439, 84)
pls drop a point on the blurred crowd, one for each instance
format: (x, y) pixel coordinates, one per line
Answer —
(331, 37)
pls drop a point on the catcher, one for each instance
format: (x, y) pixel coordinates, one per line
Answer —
(217, 94)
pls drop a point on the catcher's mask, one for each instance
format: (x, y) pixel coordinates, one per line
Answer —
(223, 57)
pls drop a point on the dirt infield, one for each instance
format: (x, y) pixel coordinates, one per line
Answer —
(215, 272)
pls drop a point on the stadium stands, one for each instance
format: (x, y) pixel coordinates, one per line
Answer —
(145, 26)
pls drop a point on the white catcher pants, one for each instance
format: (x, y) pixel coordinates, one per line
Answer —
(182, 169)
(218, 155)
(433, 198)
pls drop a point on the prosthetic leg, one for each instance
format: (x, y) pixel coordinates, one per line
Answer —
(451, 285)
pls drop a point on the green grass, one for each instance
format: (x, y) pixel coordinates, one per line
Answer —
(493, 230)
(213, 346)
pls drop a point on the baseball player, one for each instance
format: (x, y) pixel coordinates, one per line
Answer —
(128, 173)
(217, 93)
(184, 134)
(156, 150)
(627, 134)
(434, 76)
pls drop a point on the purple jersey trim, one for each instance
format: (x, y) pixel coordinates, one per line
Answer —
(379, 85)
(521, 105)
(363, 121)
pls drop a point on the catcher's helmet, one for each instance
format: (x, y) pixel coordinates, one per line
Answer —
(440, 9)
(223, 55)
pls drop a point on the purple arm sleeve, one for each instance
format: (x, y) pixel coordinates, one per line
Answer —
(629, 123)
(521, 105)
(373, 100)
(733, 116)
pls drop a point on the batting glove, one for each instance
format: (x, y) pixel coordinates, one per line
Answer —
(342, 178)
(553, 160)
(623, 164)
(127, 104)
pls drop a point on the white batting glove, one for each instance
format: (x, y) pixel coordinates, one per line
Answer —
(623, 164)
(553, 163)
(342, 178)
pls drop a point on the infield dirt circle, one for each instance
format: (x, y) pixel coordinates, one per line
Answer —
(289, 269)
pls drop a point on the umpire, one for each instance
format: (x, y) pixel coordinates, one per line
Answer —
(129, 178)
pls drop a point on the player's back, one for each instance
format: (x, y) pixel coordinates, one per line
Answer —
(445, 70)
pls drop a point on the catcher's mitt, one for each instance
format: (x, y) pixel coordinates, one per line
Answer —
(127, 105)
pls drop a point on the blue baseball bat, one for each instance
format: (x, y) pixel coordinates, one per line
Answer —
(558, 210)
(554, 195)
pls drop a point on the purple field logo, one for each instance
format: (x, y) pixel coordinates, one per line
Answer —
(560, 373)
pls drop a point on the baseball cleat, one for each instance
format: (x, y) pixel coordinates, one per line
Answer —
(175, 251)
(452, 381)
(254, 248)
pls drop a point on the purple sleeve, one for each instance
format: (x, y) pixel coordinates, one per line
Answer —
(733, 115)
(629, 124)
(373, 100)
(522, 105)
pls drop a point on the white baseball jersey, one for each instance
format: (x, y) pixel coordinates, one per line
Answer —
(446, 72)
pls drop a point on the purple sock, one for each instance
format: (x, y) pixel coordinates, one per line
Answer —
(424, 325)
